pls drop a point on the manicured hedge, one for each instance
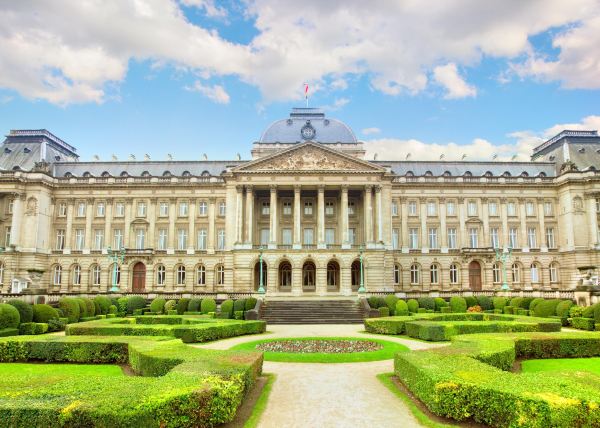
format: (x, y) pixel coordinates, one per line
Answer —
(426, 302)
(9, 316)
(135, 302)
(33, 328)
(44, 313)
(194, 305)
(471, 301)
(25, 310)
(227, 309)
(413, 305)
(182, 305)
(384, 311)
(390, 302)
(499, 302)
(562, 309)
(583, 323)
(208, 305)
(250, 303)
(104, 304)
(439, 303)
(401, 308)
(546, 308)
(70, 308)
(158, 305)
(485, 302)
(458, 304)
(170, 306)
(239, 305)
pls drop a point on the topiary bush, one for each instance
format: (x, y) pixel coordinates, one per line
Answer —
(413, 305)
(562, 309)
(227, 308)
(427, 303)
(546, 308)
(208, 305)
(33, 328)
(83, 311)
(250, 303)
(90, 307)
(44, 313)
(499, 302)
(515, 302)
(485, 302)
(122, 305)
(25, 310)
(112, 310)
(535, 302)
(158, 305)
(439, 303)
(239, 305)
(597, 312)
(70, 308)
(9, 316)
(458, 304)
(104, 304)
(384, 311)
(390, 302)
(401, 308)
(170, 306)
(373, 301)
(471, 301)
(194, 305)
(135, 302)
(182, 305)
(575, 312)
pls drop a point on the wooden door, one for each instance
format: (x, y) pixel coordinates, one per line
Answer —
(139, 277)
(475, 276)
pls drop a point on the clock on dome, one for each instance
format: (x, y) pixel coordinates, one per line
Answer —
(308, 132)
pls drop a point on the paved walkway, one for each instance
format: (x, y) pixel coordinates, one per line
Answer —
(329, 395)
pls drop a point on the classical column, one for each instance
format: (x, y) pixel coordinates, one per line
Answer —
(523, 226)
(321, 217)
(462, 239)
(17, 216)
(191, 226)
(423, 215)
(344, 214)
(404, 224)
(171, 233)
(504, 218)
(249, 214)
(443, 232)
(108, 223)
(273, 211)
(542, 233)
(69, 228)
(239, 218)
(89, 213)
(368, 192)
(379, 218)
(297, 216)
(486, 222)
(593, 222)
(151, 227)
(211, 225)
(126, 228)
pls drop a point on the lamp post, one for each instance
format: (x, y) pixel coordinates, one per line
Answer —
(504, 256)
(116, 257)
(361, 288)
(261, 288)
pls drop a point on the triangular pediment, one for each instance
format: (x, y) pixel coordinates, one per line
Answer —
(309, 157)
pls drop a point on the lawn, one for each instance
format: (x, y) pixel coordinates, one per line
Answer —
(387, 351)
(34, 370)
(591, 365)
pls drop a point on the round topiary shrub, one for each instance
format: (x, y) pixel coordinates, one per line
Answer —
(413, 305)
(427, 303)
(390, 302)
(158, 305)
(401, 308)
(44, 313)
(526, 302)
(170, 306)
(227, 308)
(458, 304)
(575, 311)
(83, 312)
(182, 305)
(9, 316)
(562, 309)
(250, 303)
(384, 311)
(471, 301)
(208, 305)
(25, 310)
(373, 302)
(439, 303)
(194, 305)
(135, 302)
(90, 307)
(70, 308)
(112, 309)
(515, 302)
(485, 303)
(239, 305)
(535, 302)
(499, 302)
(104, 303)
(588, 311)
(546, 308)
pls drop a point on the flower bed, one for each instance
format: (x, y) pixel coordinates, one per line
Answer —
(320, 346)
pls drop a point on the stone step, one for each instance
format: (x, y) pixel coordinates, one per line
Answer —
(312, 312)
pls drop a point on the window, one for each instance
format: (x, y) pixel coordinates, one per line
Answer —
(140, 239)
(511, 209)
(202, 208)
(531, 237)
(415, 274)
(529, 209)
(57, 275)
(548, 209)
(512, 237)
(395, 239)
(473, 237)
(76, 275)
(220, 274)
(397, 274)
(265, 208)
(11, 205)
(553, 272)
(330, 236)
(161, 275)
(181, 239)
(472, 208)
(287, 208)
(413, 238)
(60, 239)
(516, 273)
(265, 235)
(222, 209)
(495, 239)
(286, 236)
(141, 209)
(163, 209)
(450, 208)
(118, 239)
(394, 208)
(81, 209)
(452, 244)
(221, 239)
(285, 274)
(433, 237)
(496, 275)
(202, 236)
(351, 236)
(180, 275)
(308, 208)
(96, 275)
(329, 208)
(550, 237)
(493, 209)
(433, 274)
(351, 208)
(79, 239)
(412, 208)
(333, 274)
(431, 208)
(115, 274)
(98, 239)
(7, 236)
(535, 273)
(183, 209)
(62, 209)
(453, 273)
(100, 209)
(200, 275)
(308, 236)
(119, 209)
(162, 239)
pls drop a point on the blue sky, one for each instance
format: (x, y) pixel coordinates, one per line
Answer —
(197, 76)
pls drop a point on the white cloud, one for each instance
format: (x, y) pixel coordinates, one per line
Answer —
(369, 131)
(456, 87)
(338, 103)
(209, 7)
(215, 93)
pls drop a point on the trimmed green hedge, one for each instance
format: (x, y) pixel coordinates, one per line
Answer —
(426, 302)
(25, 310)
(485, 302)
(471, 301)
(413, 305)
(194, 305)
(44, 313)
(158, 305)
(208, 305)
(33, 328)
(250, 303)
(227, 309)
(9, 316)
(583, 323)
(499, 302)
(458, 304)
(182, 305)
(401, 308)
(546, 308)
(439, 303)
(70, 308)
(469, 380)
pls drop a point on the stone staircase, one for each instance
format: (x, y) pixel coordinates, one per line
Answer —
(312, 312)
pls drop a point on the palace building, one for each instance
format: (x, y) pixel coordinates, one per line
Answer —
(309, 204)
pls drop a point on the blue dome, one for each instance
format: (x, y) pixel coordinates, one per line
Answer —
(308, 124)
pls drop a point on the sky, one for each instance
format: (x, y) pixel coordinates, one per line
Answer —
(186, 77)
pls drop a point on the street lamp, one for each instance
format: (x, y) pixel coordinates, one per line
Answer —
(261, 288)
(115, 257)
(361, 288)
(504, 256)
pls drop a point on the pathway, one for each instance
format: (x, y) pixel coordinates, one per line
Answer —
(329, 395)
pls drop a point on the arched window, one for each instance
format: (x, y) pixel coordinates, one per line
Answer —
(308, 274)
(468, 174)
(496, 275)
(161, 275)
(285, 274)
(1, 273)
(145, 174)
(76, 275)
(200, 275)
(453, 273)
(333, 274)
(68, 175)
(535, 273)
(410, 174)
(428, 174)
(205, 174)
(186, 174)
(434, 274)
(115, 280)
(180, 275)
(554, 272)
(524, 174)
(220, 274)
(355, 274)
(87, 174)
(397, 273)
(167, 174)
(506, 174)
(105, 174)
(415, 274)
(542, 174)
(57, 275)
(488, 174)
(447, 174)
(124, 174)
(516, 273)
(95, 271)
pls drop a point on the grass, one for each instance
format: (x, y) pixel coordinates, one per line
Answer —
(591, 365)
(386, 353)
(64, 370)
(261, 403)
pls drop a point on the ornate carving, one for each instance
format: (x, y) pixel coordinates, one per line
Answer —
(32, 205)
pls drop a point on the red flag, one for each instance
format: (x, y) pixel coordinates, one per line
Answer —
(306, 90)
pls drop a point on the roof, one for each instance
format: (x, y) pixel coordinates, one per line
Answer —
(477, 169)
(139, 168)
(23, 148)
(591, 136)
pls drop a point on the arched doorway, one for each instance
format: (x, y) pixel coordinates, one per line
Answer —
(257, 275)
(355, 274)
(309, 274)
(475, 276)
(285, 276)
(333, 276)
(138, 283)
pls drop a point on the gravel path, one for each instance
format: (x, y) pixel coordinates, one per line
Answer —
(329, 395)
